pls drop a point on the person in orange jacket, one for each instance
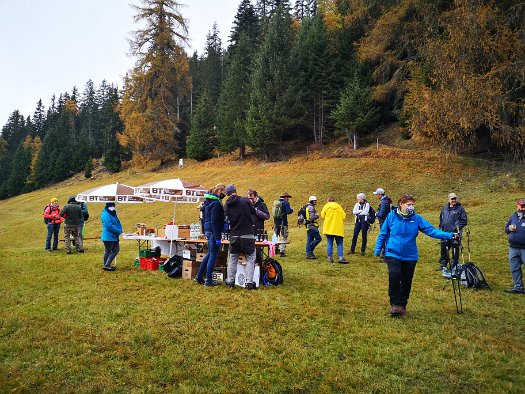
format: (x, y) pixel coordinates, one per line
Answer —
(52, 219)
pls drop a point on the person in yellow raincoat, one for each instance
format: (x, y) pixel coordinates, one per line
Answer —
(334, 229)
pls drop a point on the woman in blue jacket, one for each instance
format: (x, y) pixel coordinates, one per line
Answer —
(398, 236)
(213, 219)
(111, 230)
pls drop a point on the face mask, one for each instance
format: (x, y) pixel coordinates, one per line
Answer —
(222, 195)
(411, 209)
(54, 205)
(112, 209)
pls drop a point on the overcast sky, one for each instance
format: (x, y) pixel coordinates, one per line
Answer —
(49, 46)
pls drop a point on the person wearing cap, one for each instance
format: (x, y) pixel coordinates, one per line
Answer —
(240, 211)
(515, 229)
(398, 236)
(213, 218)
(313, 237)
(361, 214)
(385, 206)
(334, 229)
(111, 230)
(453, 217)
(281, 223)
(72, 214)
(52, 219)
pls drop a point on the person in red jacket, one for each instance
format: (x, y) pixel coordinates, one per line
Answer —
(52, 219)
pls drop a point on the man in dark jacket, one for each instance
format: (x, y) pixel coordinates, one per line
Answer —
(239, 211)
(261, 214)
(515, 229)
(385, 206)
(452, 219)
(72, 212)
(281, 223)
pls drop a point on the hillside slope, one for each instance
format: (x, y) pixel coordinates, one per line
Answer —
(66, 325)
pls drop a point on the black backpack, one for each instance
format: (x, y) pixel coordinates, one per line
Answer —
(371, 215)
(301, 216)
(273, 272)
(471, 276)
(173, 266)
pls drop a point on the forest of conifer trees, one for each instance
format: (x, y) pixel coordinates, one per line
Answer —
(449, 72)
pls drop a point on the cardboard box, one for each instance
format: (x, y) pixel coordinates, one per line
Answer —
(184, 231)
(141, 228)
(189, 269)
(161, 232)
(240, 276)
(200, 256)
(189, 254)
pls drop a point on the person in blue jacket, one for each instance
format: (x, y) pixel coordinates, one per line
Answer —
(398, 236)
(111, 230)
(281, 223)
(213, 219)
(515, 229)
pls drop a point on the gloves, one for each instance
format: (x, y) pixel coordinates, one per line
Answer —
(218, 242)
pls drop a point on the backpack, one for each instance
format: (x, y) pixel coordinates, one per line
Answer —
(48, 220)
(301, 216)
(277, 209)
(173, 266)
(273, 272)
(371, 215)
(471, 276)
(85, 215)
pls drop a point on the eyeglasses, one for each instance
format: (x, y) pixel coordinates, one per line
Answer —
(453, 198)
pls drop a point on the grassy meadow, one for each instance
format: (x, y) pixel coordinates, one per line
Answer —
(68, 326)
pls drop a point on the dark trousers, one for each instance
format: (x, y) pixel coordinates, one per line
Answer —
(400, 274)
(52, 230)
(360, 227)
(446, 245)
(111, 250)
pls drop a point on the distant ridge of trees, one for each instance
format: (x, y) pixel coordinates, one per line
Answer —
(450, 72)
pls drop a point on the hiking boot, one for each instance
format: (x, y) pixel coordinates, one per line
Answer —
(311, 257)
(514, 291)
(362, 253)
(110, 268)
(200, 281)
(446, 273)
(68, 252)
(251, 286)
(342, 260)
(402, 310)
(211, 284)
(330, 260)
(80, 250)
(48, 250)
(230, 284)
(395, 311)
(351, 252)
(442, 264)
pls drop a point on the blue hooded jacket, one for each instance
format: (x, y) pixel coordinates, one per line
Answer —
(213, 215)
(399, 233)
(111, 227)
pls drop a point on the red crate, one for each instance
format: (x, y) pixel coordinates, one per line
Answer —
(153, 263)
(144, 262)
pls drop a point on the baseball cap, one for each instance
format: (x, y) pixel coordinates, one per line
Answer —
(230, 189)
(361, 195)
(521, 202)
(452, 195)
(379, 191)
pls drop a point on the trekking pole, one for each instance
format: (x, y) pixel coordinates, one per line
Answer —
(456, 281)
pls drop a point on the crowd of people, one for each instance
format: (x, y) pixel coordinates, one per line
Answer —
(242, 219)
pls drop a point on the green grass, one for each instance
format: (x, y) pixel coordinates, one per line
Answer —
(68, 326)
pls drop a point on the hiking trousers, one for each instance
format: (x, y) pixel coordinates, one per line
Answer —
(516, 260)
(400, 275)
(71, 231)
(360, 227)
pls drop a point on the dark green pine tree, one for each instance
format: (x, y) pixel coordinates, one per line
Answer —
(89, 119)
(39, 120)
(211, 66)
(313, 67)
(195, 66)
(273, 106)
(202, 138)
(112, 125)
(234, 100)
(356, 112)
(20, 170)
